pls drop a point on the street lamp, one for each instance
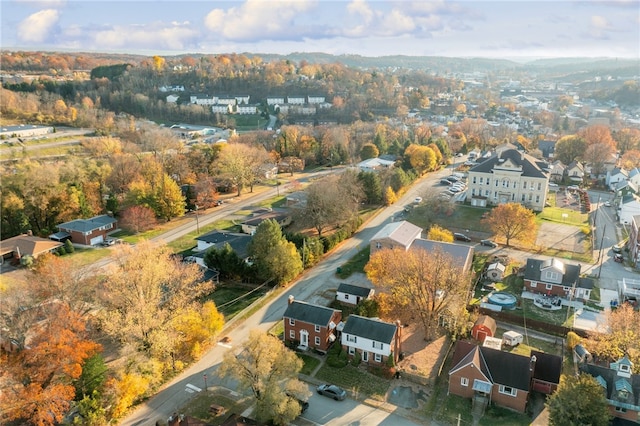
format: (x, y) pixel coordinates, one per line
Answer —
(205, 381)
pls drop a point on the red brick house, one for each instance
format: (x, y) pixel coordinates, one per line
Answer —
(376, 341)
(89, 232)
(488, 375)
(485, 326)
(547, 369)
(310, 326)
(26, 245)
(556, 278)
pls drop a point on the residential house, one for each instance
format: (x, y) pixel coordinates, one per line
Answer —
(242, 99)
(296, 100)
(200, 99)
(249, 226)
(461, 255)
(575, 172)
(89, 232)
(244, 109)
(548, 148)
(275, 100)
(315, 99)
(26, 245)
(221, 108)
(227, 100)
(621, 387)
(488, 375)
(298, 198)
(630, 290)
(554, 277)
(395, 235)
(485, 326)
(634, 240)
(625, 187)
(557, 172)
(269, 170)
(375, 164)
(547, 369)
(628, 207)
(219, 238)
(508, 176)
(616, 175)
(634, 176)
(353, 294)
(172, 99)
(376, 341)
(310, 326)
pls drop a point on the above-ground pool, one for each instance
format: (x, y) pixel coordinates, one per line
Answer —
(506, 300)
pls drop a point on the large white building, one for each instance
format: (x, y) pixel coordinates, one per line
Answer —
(509, 176)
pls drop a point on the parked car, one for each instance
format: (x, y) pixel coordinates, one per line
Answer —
(618, 258)
(445, 182)
(617, 248)
(461, 237)
(573, 187)
(455, 189)
(488, 243)
(607, 203)
(417, 200)
(332, 391)
(452, 178)
(108, 242)
(304, 405)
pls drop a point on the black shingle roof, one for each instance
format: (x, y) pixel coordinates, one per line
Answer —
(507, 369)
(370, 328)
(548, 367)
(309, 313)
(354, 289)
(533, 271)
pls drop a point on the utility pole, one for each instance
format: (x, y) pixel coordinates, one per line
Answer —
(197, 221)
(604, 230)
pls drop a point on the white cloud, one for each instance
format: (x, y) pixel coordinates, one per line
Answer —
(36, 27)
(361, 8)
(174, 36)
(599, 26)
(258, 19)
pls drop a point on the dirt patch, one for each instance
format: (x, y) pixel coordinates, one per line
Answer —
(420, 357)
(562, 237)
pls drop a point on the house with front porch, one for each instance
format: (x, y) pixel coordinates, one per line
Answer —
(376, 341)
(575, 172)
(26, 245)
(310, 326)
(553, 277)
(487, 375)
(615, 176)
(89, 232)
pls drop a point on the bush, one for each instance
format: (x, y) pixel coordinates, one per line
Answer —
(384, 372)
(68, 246)
(357, 359)
(337, 358)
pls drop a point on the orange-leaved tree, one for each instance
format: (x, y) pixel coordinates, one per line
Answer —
(512, 221)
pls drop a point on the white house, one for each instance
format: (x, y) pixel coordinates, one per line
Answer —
(275, 100)
(629, 206)
(575, 171)
(227, 100)
(221, 108)
(200, 99)
(353, 294)
(246, 109)
(616, 175)
(634, 176)
(172, 99)
(243, 99)
(373, 164)
(373, 339)
(296, 100)
(315, 99)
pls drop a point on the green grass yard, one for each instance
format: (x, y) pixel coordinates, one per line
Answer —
(354, 380)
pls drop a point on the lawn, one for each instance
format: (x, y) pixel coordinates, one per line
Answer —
(231, 300)
(310, 363)
(355, 264)
(198, 406)
(354, 380)
(455, 408)
(557, 214)
(531, 311)
(498, 416)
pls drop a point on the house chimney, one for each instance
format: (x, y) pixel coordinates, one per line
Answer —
(30, 233)
(532, 363)
(291, 299)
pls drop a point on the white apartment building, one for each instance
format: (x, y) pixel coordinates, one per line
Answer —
(508, 176)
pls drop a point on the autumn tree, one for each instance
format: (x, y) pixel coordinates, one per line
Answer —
(421, 158)
(241, 163)
(368, 151)
(331, 201)
(145, 294)
(579, 400)
(269, 370)
(630, 159)
(168, 201)
(437, 233)
(420, 284)
(512, 221)
(569, 148)
(274, 257)
(37, 382)
(597, 155)
(621, 338)
(137, 219)
(627, 139)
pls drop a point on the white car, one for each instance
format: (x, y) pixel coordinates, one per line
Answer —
(607, 203)
(417, 200)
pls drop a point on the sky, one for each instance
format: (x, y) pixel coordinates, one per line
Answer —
(508, 29)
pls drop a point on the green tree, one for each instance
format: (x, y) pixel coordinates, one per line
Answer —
(226, 261)
(270, 371)
(512, 221)
(570, 148)
(578, 401)
(168, 199)
(274, 257)
(372, 186)
(92, 379)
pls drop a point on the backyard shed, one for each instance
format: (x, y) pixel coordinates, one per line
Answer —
(485, 326)
(495, 271)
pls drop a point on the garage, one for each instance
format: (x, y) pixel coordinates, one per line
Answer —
(96, 240)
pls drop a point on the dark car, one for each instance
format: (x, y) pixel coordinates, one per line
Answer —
(445, 182)
(332, 391)
(618, 258)
(304, 405)
(488, 243)
(461, 237)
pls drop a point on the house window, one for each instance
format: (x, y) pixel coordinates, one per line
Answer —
(513, 197)
(488, 181)
(377, 357)
(481, 180)
(487, 192)
(549, 286)
(566, 289)
(378, 245)
(506, 390)
(378, 345)
(522, 199)
(474, 179)
(533, 284)
(524, 185)
(351, 338)
(621, 410)
(473, 192)
(537, 198)
(624, 368)
(464, 381)
(539, 186)
(317, 340)
(292, 334)
(497, 182)
(292, 321)
(505, 183)
(352, 350)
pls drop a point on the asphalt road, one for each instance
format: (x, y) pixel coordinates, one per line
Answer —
(176, 393)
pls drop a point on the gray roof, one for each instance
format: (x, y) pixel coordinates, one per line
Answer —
(460, 253)
(87, 225)
(278, 216)
(531, 167)
(548, 367)
(309, 313)
(369, 328)
(218, 238)
(611, 380)
(534, 269)
(354, 289)
(402, 232)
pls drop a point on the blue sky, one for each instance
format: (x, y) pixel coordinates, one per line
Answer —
(496, 29)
